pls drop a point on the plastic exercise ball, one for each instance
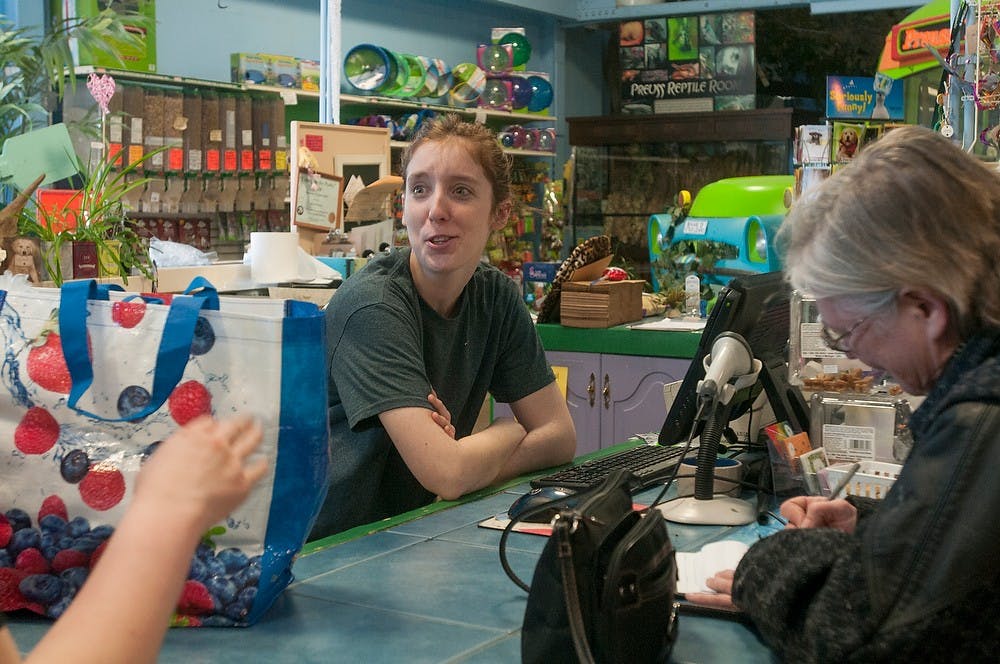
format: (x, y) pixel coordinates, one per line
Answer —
(520, 91)
(541, 94)
(368, 67)
(520, 45)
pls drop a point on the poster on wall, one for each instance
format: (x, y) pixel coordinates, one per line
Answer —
(688, 64)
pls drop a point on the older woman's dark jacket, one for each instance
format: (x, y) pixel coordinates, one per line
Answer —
(919, 579)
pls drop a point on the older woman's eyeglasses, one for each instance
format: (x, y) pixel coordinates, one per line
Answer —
(839, 342)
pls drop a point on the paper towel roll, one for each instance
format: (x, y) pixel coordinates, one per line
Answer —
(274, 257)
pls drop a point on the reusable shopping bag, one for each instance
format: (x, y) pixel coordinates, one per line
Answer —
(93, 380)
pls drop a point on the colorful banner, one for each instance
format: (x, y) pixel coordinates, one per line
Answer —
(688, 64)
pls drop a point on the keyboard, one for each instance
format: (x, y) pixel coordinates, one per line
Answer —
(649, 463)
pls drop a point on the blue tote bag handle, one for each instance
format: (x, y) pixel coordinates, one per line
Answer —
(171, 357)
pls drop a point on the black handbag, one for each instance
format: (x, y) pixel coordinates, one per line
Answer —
(603, 588)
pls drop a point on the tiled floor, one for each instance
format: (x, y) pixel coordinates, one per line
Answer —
(429, 590)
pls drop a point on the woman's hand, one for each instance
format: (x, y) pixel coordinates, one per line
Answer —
(441, 416)
(722, 598)
(818, 512)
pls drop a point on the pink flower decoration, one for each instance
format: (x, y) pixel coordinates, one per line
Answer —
(102, 89)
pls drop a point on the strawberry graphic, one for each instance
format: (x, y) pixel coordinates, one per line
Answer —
(195, 599)
(103, 487)
(188, 401)
(53, 505)
(47, 364)
(37, 431)
(128, 314)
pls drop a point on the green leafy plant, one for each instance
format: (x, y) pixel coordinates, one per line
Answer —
(39, 69)
(101, 214)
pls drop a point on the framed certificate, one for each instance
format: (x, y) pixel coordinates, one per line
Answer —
(319, 200)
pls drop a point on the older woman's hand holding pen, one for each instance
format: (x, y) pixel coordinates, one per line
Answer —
(822, 511)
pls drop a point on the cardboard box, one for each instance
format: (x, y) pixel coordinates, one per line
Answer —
(282, 70)
(248, 67)
(600, 304)
(309, 73)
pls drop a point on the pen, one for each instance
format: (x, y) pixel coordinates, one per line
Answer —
(843, 482)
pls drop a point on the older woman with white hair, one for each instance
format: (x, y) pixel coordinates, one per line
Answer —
(901, 250)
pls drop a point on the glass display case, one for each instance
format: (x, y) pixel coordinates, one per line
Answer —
(626, 168)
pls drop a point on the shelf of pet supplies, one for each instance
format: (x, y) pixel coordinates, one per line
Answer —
(161, 79)
(479, 114)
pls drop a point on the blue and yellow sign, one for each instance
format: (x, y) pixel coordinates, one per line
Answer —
(863, 98)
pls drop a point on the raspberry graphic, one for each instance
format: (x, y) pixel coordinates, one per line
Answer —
(195, 599)
(128, 314)
(6, 530)
(188, 401)
(47, 365)
(103, 487)
(37, 431)
(53, 505)
(31, 561)
(69, 558)
(98, 552)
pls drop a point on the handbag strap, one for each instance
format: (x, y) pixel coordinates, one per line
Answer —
(171, 357)
(561, 531)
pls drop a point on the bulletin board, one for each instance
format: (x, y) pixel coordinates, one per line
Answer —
(322, 154)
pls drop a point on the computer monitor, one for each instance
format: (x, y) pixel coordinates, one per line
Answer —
(756, 307)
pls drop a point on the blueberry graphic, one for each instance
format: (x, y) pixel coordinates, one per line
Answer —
(41, 588)
(214, 567)
(87, 543)
(204, 337)
(217, 621)
(26, 538)
(247, 577)
(73, 578)
(247, 596)
(5, 560)
(52, 523)
(77, 526)
(198, 570)
(102, 532)
(74, 466)
(56, 610)
(233, 559)
(18, 519)
(223, 590)
(132, 401)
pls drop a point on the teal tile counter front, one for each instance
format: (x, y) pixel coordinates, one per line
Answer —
(619, 340)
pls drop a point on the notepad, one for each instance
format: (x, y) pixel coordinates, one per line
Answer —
(694, 568)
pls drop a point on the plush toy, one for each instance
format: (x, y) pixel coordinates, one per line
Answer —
(23, 259)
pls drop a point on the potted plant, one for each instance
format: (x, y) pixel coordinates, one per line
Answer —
(92, 224)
